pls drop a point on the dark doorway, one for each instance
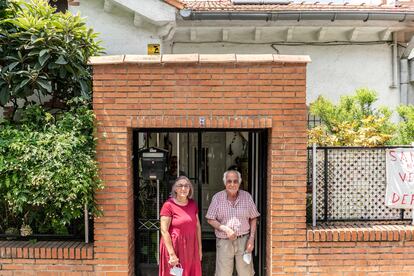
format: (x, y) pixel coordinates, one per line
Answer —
(202, 156)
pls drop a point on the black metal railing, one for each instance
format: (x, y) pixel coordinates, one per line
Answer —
(350, 184)
(313, 121)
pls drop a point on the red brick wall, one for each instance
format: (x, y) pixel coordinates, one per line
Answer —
(228, 93)
(262, 91)
(46, 258)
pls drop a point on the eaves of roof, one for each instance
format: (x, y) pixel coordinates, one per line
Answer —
(229, 6)
(175, 3)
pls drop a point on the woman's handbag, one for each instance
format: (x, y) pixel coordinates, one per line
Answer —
(177, 270)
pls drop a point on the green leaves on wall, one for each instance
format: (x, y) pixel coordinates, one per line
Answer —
(47, 167)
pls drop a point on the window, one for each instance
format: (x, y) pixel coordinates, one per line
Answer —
(60, 5)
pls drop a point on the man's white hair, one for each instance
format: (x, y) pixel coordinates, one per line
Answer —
(231, 171)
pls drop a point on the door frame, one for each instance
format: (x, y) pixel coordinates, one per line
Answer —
(261, 158)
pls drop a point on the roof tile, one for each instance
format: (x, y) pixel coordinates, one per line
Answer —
(314, 5)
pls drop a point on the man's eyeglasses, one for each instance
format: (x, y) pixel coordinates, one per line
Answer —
(186, 186)
(234, 181)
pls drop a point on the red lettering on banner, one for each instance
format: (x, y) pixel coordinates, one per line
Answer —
(403, 158)
(402, 176)
(393, 198)
(406, 177)
(403, 199)
(392, 154)
(400, 189)
(406, 157)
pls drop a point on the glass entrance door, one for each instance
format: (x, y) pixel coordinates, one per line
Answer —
(202, 156)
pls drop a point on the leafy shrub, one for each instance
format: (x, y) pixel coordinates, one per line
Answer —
(405, 132)
(47, 161)
(353, 122)
(3, 6)
(47, 169)
(44, 53)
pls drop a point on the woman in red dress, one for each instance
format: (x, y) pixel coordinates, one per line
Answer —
(181, 231)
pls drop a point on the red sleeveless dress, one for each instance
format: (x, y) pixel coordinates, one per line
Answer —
(183, 231)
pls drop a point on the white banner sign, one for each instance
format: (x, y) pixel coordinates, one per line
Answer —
(400, 178)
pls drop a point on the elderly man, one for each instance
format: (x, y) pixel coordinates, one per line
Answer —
(233, 215)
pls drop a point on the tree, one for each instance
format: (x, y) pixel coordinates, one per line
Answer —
(48, 170)
(354, 121)
(44, 53)
(405, 130)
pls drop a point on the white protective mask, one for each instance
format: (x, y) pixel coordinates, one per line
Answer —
(177, 271)
(247, 257)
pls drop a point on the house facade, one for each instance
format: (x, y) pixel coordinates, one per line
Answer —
(352, 44)
(195, 108)
(241, 99)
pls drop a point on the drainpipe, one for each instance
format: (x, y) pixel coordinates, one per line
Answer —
(394, 65)
(407, 74)
(410, 58)
(410, 90)
(404, 81)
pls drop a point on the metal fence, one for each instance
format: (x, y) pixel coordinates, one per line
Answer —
(350, 184)
(313, 121)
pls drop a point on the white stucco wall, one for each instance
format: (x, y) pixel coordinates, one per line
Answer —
(334, 70)
(116, 28)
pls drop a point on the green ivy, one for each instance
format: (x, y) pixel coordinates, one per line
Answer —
(48, 169)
